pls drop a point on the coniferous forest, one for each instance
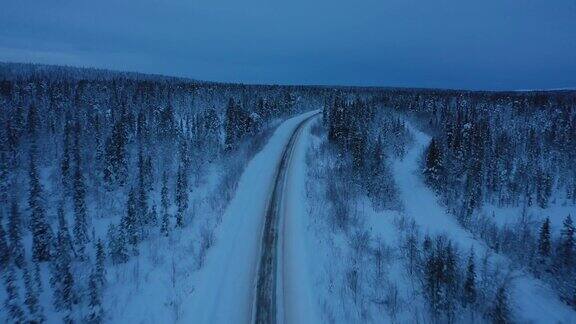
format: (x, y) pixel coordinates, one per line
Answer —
(113, 183)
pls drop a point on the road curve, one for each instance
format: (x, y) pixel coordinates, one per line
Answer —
(268, 301)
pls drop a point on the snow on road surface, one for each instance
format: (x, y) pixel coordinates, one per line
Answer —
(299, 302)
(533, 300)
(225, 286)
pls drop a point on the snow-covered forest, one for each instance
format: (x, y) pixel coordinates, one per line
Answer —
(494, 221)
(123, 195)
(94, 163)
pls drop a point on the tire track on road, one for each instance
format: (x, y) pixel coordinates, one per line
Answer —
(268, 301)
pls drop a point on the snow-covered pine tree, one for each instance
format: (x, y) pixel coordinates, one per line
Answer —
(164, 201)
(41, 231)
(470, 281)
(433, 169)
(80, 211)
(543, 188)
(4, 180)
(37, 277)
(433, 275)
(33, 123)
(148, 173)
(500, 312)
(450, 282)
(566, 244)
(15, 235)
(153, 216)
(4, 249)
(100, 270)
(544, 243)
(117, 246)
(62, 279)
(165, 227)
(35, 310)
(115, 160)
(230, 124)
(130, 222)
(65, 162)
(12, 303)
(142, 211)
(167, 122)
(95, 311)
(181, 195)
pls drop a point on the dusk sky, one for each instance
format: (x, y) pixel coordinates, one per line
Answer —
(489, 44)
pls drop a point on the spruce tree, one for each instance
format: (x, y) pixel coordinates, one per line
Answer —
(15, 235)
(100, 270)
(470, 281)
(433, 276)
(4, 173)
(500, 312)
(117, 248)
(115, 160)
(231, 125)
(62, 278)
(567, 245)
(165, 226)
(181, 195)
(41, 232)
(427, 244)
(433, 169)
(142, 211)
(35, 311)
(95, 312)
(148, 173)
(449, 282)
(12, 303)
(544, 243)
(130, 222)
(37, 278)
(4, 249)
(33, 121)
(153, 216)
(80, 212)
(65, 162)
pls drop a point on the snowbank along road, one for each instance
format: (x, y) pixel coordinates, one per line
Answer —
(269, 297)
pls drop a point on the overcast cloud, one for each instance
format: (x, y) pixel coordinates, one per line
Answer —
(489, 44)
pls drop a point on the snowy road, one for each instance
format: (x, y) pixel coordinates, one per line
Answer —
(269, 297)
(243, 279)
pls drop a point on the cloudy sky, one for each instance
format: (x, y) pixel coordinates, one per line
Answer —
(488, 44)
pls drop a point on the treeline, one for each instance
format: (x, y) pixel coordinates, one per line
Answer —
(508, 149)
(81, 149)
